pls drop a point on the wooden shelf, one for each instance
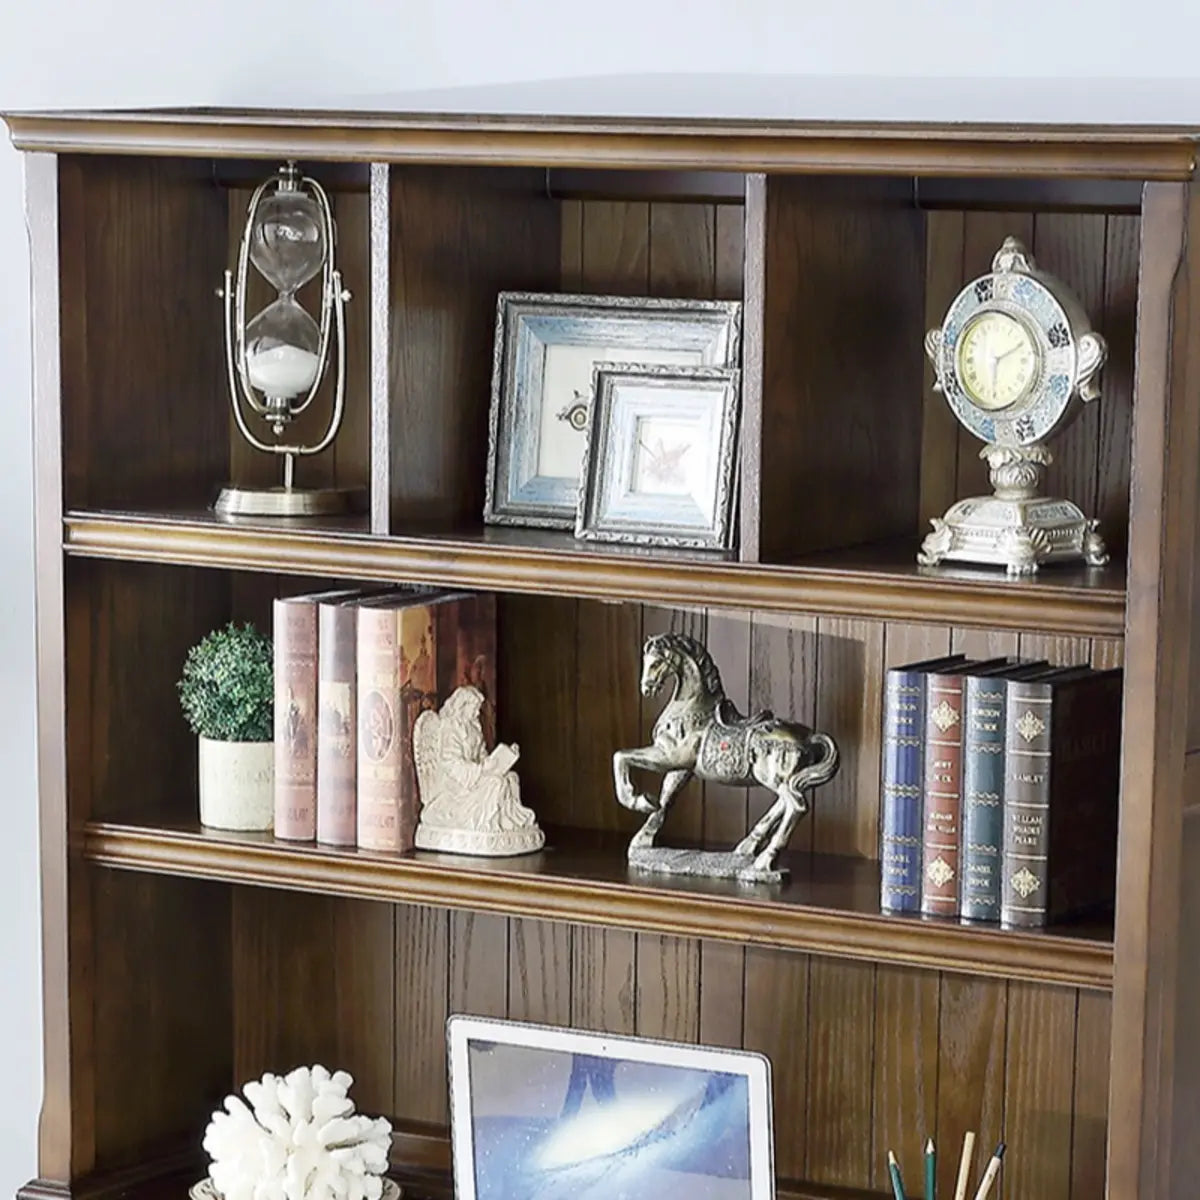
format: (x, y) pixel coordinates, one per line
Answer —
(880, 582)
(830, 906)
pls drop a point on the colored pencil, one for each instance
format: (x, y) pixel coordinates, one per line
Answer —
(964, 1166)
(989, 1176)
(930, 1171)
(897, 1182)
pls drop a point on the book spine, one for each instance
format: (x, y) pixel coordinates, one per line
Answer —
(418, 692)
(943, 794)
(903, 735)
(295, 624)
(1026, 805)
(378, 714)
(337, 775)
(983, 797)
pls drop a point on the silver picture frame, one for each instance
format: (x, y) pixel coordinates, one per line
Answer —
(546, 347)
(659, 468)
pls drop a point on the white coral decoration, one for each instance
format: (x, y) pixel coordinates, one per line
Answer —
(298, 1140)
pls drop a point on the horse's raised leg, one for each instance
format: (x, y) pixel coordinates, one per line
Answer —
(673, 781)
(648, 758)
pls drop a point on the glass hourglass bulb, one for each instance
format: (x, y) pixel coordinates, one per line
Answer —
(282, 345)
(287, 243)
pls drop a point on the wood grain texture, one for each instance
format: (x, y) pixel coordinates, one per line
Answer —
(604, 980)
(972, 1026)
(977, 151)
(1122, 245)
(539, 971)
(841, 1021)
(422, 965)
(1072, 247)
(845, 815)
(904, 1070)
(842, 429)
(140, 390)
(478, 964)
(608, 718)
(776, 1023)
(143, 994)
(939, 427)
(1039, 1091)
(668, 987)
(783, 679)
(754, 320)
(1163, 504)
(458, 238)
(538, 693)
(722, 993)
(1185, 1153)
(878, 582)
(364, 940)
(1089, 1129)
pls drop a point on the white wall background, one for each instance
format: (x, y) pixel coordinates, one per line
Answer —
(62, 53)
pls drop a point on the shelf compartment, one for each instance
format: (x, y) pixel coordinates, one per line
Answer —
(872, 582)
(830, 907)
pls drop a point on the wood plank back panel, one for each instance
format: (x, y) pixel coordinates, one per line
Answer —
(162, 1015)
(458, 237)
(841, 395)
(864, 1058)
(141, 389)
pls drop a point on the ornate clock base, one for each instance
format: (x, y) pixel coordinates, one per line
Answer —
(1018, 535)
(1016, 528)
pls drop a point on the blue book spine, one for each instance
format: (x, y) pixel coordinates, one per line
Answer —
(903, 810)
(983, 797)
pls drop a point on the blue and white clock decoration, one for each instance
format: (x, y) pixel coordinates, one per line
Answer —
(1016, 358)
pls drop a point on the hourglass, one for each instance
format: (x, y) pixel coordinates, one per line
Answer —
(276, 362)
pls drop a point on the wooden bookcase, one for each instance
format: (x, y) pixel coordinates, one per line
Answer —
(180, 962)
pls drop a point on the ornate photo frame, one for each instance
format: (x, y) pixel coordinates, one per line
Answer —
(659, 468)
(546, 347)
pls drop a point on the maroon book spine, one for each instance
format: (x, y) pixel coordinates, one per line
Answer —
(466, 646)
(337, 774)
(295, 623)
(378, 712)
(943, 792)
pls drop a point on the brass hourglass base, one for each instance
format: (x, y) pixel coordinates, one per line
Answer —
(289, 502)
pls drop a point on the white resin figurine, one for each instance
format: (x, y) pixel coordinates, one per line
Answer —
(298, 1138)
(470, 799)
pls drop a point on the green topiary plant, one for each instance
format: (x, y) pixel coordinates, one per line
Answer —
(228, 686)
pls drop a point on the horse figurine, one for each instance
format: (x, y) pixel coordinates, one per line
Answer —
(701, 733)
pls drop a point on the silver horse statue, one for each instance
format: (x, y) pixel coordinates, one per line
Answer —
(701, 733)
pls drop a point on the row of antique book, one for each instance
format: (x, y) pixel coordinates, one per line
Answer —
(1000, 790)
(353, 671)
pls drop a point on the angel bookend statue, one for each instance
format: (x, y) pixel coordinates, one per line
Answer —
(701, 733)
(470, 799)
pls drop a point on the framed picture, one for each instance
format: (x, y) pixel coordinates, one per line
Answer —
(545, 350)
(658, 469)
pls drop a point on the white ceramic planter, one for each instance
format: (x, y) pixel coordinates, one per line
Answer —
(237, 784)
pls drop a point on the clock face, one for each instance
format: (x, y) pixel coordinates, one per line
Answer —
(997, 360)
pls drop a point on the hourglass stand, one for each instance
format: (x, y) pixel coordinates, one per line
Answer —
(276, 364)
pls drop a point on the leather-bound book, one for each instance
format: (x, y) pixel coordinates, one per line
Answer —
(337, 724)
(397, 681)
(943, 783)
(982, 812)
(1061, 789)
(295, 638)
(901, 827)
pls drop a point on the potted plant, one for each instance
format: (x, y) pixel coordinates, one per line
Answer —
(228, 696)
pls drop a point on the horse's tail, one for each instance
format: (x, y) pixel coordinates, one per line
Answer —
(820, 771)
